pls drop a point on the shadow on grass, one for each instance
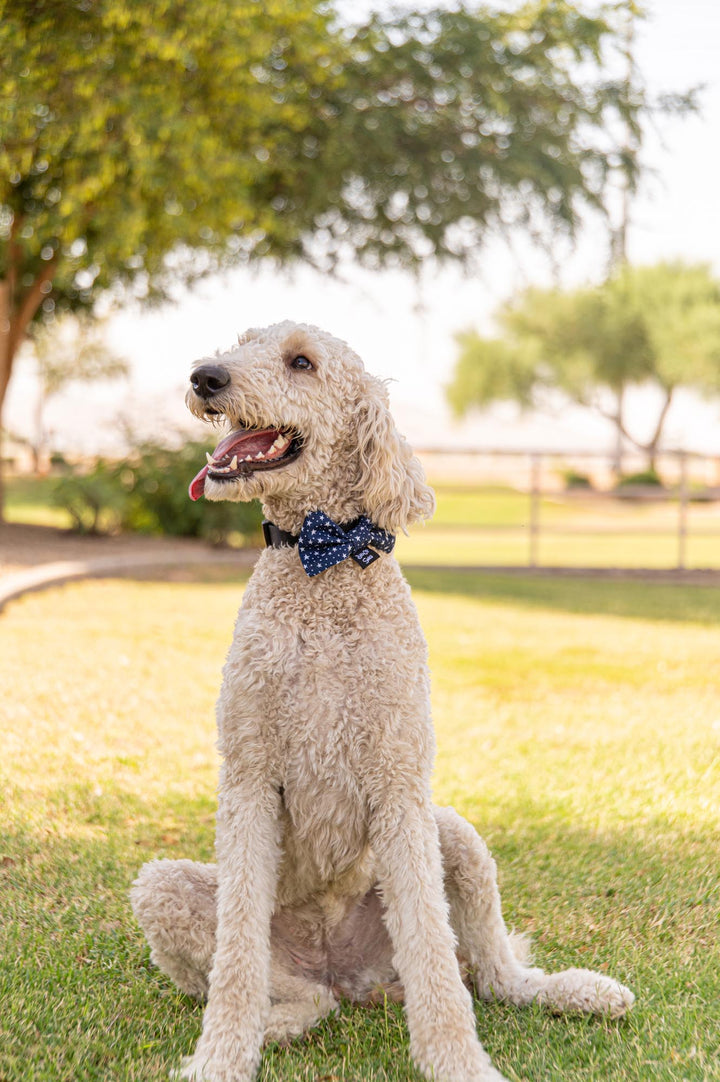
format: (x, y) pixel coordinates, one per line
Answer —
(81, 1000)
(585, 596)
(622, 597)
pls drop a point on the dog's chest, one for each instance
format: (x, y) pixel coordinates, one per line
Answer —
(325, 684)
(326, 654)
(322, 744)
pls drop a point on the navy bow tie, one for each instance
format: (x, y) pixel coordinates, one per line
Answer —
(323, 543)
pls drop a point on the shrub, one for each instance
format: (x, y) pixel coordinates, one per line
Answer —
(93, 500)
(573, 479)
(156, 481)
(644, 477)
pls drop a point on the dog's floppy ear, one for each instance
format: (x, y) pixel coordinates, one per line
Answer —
(391, 480)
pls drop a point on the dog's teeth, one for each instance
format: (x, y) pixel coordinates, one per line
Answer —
(233, 464)
(210, 459)
(248, 458)
(259, 455)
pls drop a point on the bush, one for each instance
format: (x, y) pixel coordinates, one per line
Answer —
(94, 500)
(59, 462)
(148, 493)
(644, 477)
(573, 479)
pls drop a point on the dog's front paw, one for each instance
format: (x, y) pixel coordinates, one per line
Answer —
(213, 1068)
(455, 1061)
(584, 990)
(289, 1020)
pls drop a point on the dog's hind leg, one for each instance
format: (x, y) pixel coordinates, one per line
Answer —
(494, 958)
(175, 903)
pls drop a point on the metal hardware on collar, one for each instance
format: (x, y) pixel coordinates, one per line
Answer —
(275, 538)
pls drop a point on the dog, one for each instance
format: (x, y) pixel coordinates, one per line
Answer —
(336, 877)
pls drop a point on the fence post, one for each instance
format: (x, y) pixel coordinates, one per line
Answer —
(682, 512)
(535, 466)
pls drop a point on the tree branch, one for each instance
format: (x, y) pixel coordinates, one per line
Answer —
(616, 420)
(652, 445)
(13, 324)
(30, 304)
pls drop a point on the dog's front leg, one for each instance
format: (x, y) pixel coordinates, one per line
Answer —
(235, 1017)
(443, 1040)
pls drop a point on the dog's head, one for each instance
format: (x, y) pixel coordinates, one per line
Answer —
(309, 429)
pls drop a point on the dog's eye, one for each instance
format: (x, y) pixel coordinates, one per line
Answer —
(302, 363)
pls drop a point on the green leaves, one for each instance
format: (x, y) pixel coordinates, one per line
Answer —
(247, 130)
(146, 144)
(657, 324)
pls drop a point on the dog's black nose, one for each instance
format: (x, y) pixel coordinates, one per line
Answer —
(209, 380)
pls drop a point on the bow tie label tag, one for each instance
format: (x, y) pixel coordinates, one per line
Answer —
(365, 557)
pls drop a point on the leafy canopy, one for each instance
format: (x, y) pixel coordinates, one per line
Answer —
(653, 324)
(142, 143)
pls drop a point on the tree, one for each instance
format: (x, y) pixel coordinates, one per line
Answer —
(657, 325)
(147, 144)
(71, 349)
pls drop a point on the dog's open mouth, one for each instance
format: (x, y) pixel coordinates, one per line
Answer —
(245, 451)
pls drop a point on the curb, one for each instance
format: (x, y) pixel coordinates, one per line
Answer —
(47, 575)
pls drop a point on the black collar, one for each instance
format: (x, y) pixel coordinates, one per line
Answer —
(275, 538)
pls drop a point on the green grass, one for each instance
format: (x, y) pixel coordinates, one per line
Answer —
(30, 500)
(578, 728)
(477, 526)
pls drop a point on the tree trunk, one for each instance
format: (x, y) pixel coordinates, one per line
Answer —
(619, 434)
(38, 442)
(651, 449)
(16, 312)
(5, 369)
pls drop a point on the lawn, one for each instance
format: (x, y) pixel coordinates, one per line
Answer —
(578, 729)
(30, 500)
(490, 526)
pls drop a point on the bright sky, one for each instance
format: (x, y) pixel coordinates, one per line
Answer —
(404, 330)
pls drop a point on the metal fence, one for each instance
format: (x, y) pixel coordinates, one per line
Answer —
(685, 507)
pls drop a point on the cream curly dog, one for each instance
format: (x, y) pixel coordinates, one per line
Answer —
(336, 876)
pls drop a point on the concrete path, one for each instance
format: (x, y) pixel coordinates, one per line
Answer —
(44, 575)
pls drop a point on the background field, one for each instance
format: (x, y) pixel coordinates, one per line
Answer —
(30, 499)
(479, 525)
(578, 728)
(483, 525)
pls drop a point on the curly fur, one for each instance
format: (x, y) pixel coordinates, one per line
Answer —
(336, 876)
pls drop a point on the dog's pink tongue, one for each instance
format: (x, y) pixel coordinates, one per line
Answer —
(197, 485)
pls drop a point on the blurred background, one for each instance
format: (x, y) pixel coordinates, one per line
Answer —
(509, 212)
